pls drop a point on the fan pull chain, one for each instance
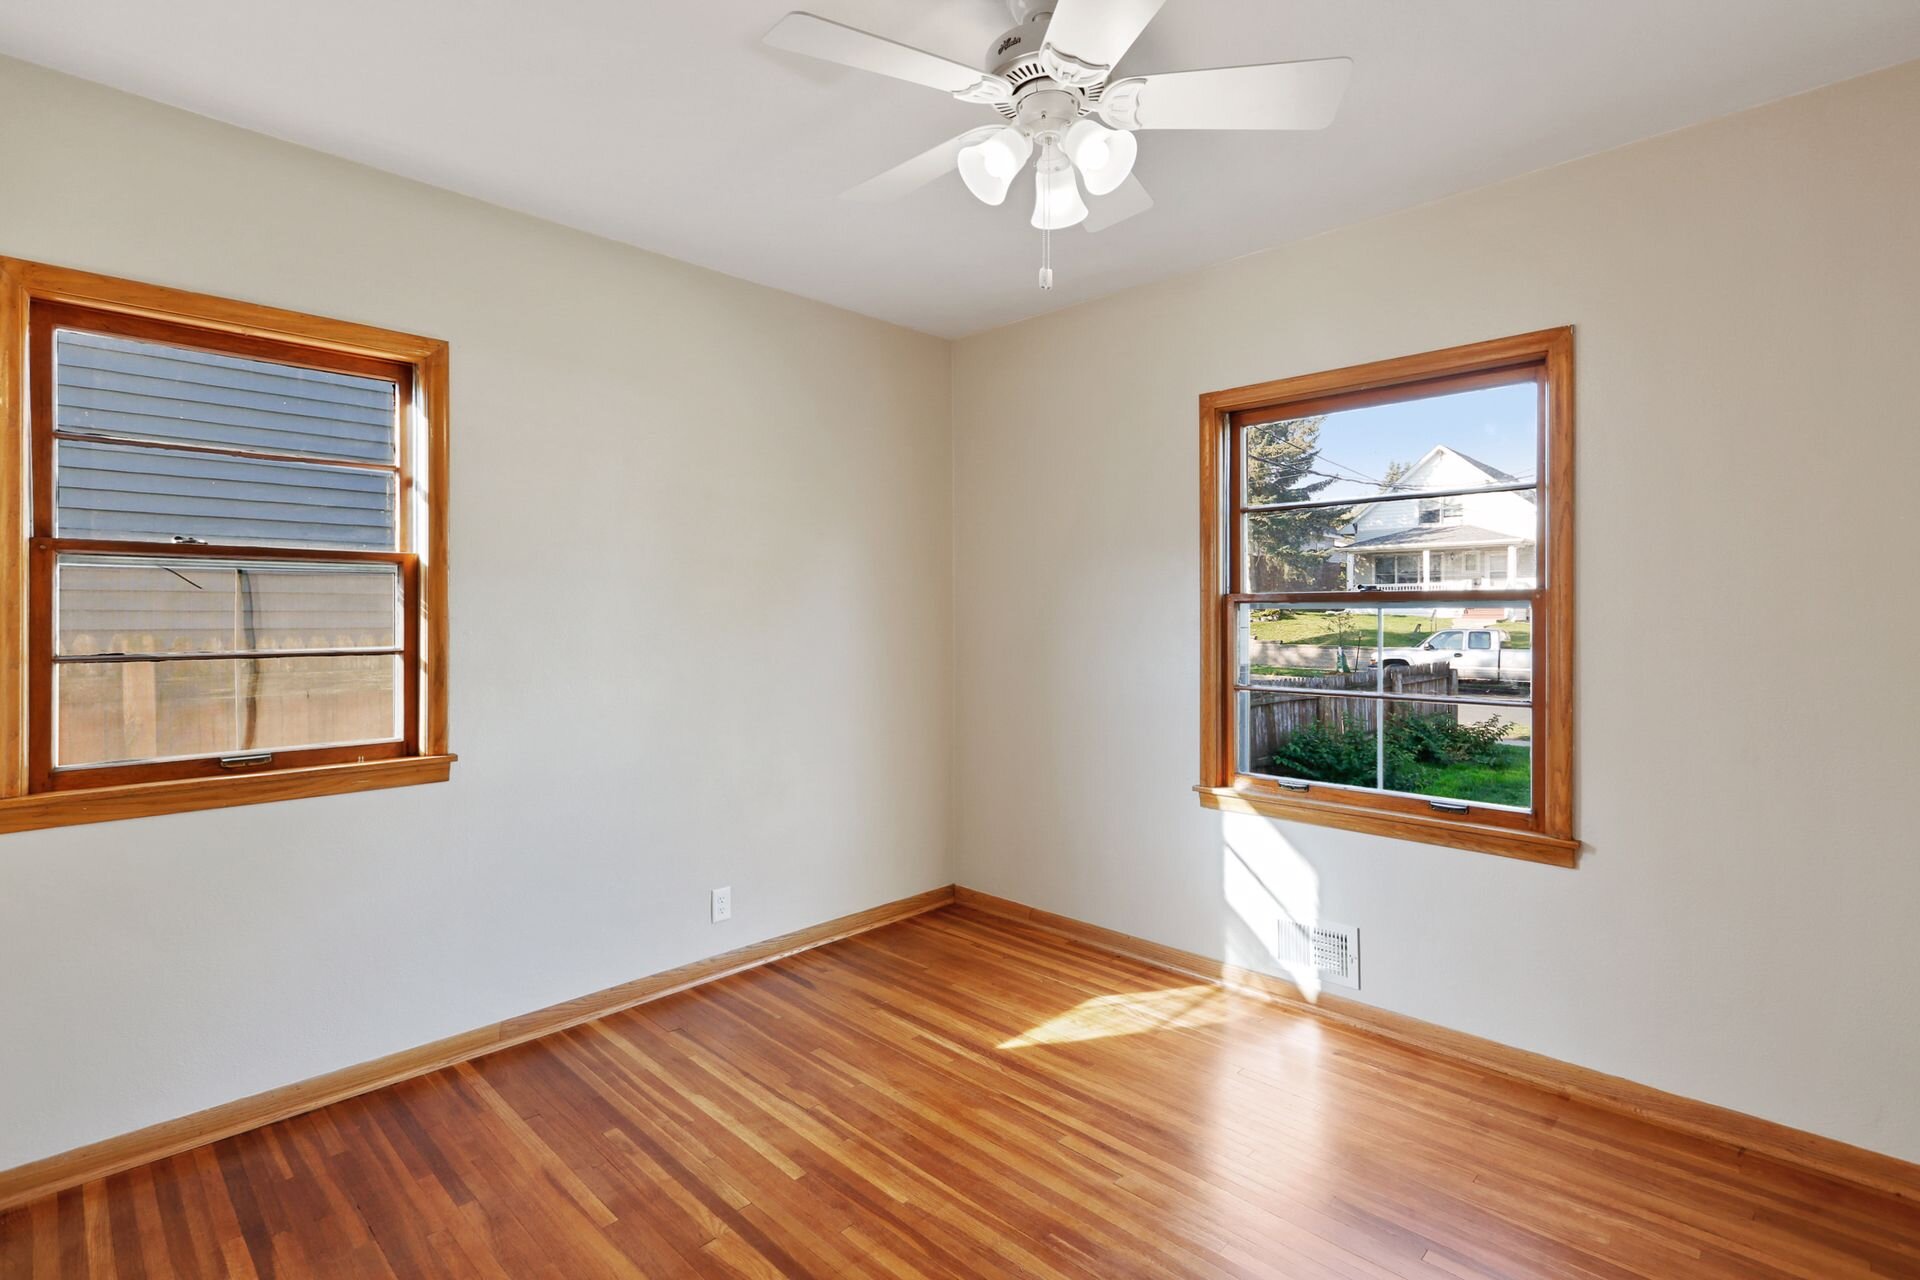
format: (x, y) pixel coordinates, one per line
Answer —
(1046, 233)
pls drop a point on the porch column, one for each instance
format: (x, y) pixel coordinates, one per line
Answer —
(1353, 579)
(1426, 565)
(1513, 564)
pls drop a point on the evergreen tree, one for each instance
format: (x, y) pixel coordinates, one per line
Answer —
(1288, 549)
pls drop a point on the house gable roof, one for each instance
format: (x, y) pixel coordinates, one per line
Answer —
(1409, 485)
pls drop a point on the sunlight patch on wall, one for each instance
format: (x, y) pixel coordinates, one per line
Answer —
(1274, 892)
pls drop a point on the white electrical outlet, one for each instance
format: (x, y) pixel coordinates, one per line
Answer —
(723, 903)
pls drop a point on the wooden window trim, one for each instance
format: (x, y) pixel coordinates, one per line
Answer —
(1546, 833)
(32, 295)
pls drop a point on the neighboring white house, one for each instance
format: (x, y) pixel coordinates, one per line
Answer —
(1472, 540)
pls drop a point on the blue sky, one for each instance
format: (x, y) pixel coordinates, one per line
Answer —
(1495, 425)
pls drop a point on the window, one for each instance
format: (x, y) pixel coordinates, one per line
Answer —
(1394, 570)
(1358, 668)
(234, 576)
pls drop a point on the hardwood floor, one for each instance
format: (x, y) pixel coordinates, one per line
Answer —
(962, 1095)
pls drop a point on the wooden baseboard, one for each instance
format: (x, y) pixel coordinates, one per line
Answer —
(1806, 1151)
(1824, 1156)
(113, 1155)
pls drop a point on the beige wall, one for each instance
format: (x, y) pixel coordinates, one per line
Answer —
(728, 573)
(1747, 296)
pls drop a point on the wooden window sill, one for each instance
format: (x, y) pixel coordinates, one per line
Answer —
(1531, 846)
(146, 799)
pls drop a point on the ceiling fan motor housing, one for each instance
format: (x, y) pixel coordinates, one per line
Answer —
(1018, 56)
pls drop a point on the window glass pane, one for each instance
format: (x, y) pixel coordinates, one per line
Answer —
(311, 702)
(1385, 546)
(1460, 650)
(180, 605)
(1335, 648)
(121, 712)
(1454, 751)
(1297, 550)
(155, 391)
(1309, 736)
(153, 494)
(1463, 440)
(1391, 545)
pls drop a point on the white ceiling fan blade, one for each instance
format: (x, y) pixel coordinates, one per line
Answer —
(911, 175)
(1117, 205)
(850, 47)
(1095, 33)
(1273, 95)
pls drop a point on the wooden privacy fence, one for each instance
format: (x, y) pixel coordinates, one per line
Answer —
(215, 706)
(1281, 706)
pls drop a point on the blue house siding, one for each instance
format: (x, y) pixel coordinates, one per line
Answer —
(117, 386)
(153, 394)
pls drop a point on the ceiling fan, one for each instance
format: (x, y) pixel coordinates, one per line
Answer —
(1049, 78)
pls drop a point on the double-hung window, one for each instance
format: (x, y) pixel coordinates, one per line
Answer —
(233, 549)
(1359, 669)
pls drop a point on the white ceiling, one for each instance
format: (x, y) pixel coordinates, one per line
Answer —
(666, 126)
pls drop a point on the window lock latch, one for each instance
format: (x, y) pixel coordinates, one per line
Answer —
(252, 760)
(1445, 807)
(187, 540)
(1291, 785)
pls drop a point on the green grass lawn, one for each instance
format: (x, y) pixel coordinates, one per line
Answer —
(1403, 630)
(1509, 782)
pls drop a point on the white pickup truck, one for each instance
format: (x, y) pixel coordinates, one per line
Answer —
(1477, 653)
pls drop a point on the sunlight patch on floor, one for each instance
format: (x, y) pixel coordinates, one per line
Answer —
(1131, 1013)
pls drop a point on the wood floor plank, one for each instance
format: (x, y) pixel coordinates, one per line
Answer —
(965, 1095)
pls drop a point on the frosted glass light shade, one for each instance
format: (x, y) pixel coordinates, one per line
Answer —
(1104, 156)
(989, 166)
(1056, 198)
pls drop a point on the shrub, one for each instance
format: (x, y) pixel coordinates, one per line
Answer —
(1442, 740)
(1343, 751)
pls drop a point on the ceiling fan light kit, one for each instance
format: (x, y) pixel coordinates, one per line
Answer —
(1049, 76)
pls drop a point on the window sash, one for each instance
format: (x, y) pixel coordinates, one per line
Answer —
(45, 775)
(1375, 711)
(46, 547)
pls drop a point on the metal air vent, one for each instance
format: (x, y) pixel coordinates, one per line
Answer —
(1332, 951)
